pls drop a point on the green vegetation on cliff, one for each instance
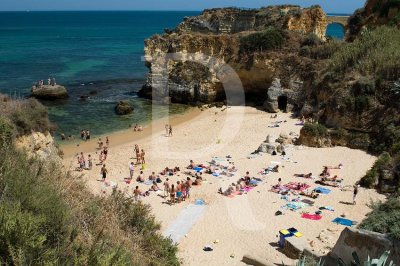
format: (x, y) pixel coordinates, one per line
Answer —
(49, 218)
(271, 38)
(385, 218)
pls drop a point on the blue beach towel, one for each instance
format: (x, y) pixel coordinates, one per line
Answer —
(322, 190)
(148, 182)
(198, 169)
(342, 221)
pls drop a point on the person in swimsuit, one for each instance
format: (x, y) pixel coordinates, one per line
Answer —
(170, 130)
(172, 194)
(142, 154)
(179, 192)
(140, 178)
(105, 151)
(137, 150)
(137, 193)
(166, 187)
(355, 192)
(100, 143)
(104, 172)
(90, 162)
(107, 142)
(131, 170)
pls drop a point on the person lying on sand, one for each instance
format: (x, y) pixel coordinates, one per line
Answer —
(327, 183)
(332, 179)
(339, 166)
(312, 195)
(309, 175)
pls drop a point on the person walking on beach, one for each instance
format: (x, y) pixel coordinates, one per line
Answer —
(87, 135)
(100, 143)
(131, 170)
(166, 129)
(107, 142)
(355, 192)
(170, 131)
(104, 172)
(90, 162)
(105, 152)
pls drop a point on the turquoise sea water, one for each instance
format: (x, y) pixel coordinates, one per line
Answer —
(85, 51)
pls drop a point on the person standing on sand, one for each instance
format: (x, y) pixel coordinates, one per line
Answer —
(137, 150)
(137, 193)
(107, 142)
(355, 192)
(172, 194)
(100, 143)
(166, 187)
(131, 170)
(166, 129)
(170, 131)
(90, 162)
(105, 152)
(87, 135)
(104, 172)
(142, 154)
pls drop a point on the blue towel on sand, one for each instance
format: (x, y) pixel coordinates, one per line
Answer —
(343, 221)
(198, 169)
(322, 190)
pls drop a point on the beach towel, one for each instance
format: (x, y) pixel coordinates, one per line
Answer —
(342, 221)
(148, 182)
(184, 222)
(314, 217)
(294, 206)
(322, 190)
(329, 208)
(198, 169)
(215, 174)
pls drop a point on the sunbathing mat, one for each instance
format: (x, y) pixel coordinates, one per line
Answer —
(314, 217)
(342, 221)
(184, 222)
(322, 190)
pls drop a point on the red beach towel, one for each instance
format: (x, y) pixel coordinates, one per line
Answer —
(311, 216)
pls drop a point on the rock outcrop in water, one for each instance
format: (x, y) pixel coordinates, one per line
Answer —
(49, 92)
(187, 64)
(123, 108)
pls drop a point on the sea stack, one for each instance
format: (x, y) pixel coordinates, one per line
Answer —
(49, 92)
(123, 108)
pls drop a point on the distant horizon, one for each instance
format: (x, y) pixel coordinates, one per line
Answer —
(133, 10)
(338, 6)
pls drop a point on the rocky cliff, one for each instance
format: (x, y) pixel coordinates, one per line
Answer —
(188, 64)
(374, 13)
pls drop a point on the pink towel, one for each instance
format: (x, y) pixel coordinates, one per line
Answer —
(311, 216)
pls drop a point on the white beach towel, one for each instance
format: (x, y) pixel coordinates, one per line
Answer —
(184, 222)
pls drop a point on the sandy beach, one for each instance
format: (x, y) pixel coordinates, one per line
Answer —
(244, 224)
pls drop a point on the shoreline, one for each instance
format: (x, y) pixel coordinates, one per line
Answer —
(125, 136)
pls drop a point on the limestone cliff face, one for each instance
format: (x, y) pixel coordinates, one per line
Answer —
(188, 64)
(39, 145)
(374, 13)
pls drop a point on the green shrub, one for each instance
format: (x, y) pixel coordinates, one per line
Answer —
(322, 51)
(375, 53)
(316, 130)
(384, 162)
(269, 39)
(7, 132)
(311, 40)
(384, 218)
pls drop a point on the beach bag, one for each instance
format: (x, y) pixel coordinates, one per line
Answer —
(158, 180)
